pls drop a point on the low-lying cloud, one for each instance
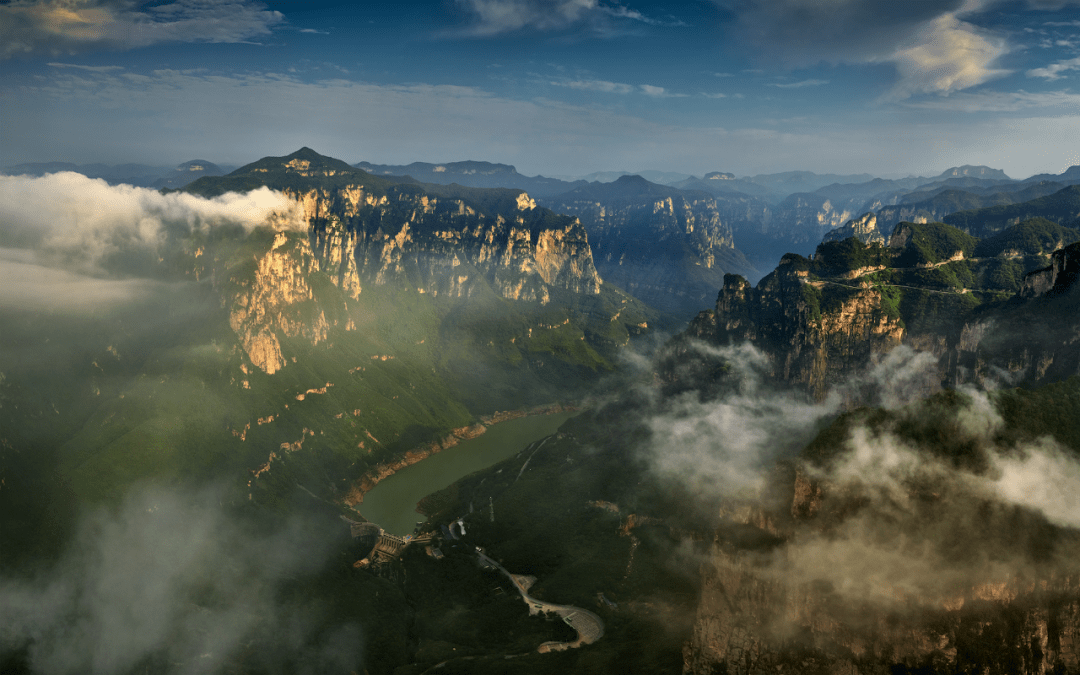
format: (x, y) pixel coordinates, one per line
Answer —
(925, 508)
(89, 219)
(27, 284)
(169, 579)
(724, 446)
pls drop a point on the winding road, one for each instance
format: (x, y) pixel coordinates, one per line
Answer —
(589, 626)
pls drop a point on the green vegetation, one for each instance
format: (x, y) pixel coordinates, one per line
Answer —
(1062, 208)
(920, 287)
(834, 258)
(933, 243)
(1034, 236)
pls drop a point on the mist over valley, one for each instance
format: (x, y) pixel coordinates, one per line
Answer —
(334, 339)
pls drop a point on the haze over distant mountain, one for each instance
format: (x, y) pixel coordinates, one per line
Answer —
(661, 177)
(765, 229)
(472, 174)
(140, 175)
(668, 247)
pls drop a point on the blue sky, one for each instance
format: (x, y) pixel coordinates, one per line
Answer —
(558, 87)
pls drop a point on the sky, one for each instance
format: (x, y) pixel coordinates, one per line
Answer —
(554, 87)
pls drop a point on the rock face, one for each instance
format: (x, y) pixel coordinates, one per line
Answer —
(820, 320)
(446, 247)
(363, 231)
(768, 611)
(879, 550)
(864, 228)
(277, 299)
(809, 347)
(666, 246)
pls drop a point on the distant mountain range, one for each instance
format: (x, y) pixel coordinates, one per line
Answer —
(473, 174)
(796, 483)
(140, 175)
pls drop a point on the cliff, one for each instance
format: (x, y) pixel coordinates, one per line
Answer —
(864, 228)
(363, 231)
(824, 318)
(882, 552)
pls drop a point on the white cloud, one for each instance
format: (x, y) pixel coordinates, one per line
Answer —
(798, 85)
(949, 55)
(606, 87)
(933, 49)
(658, 92)
(91, 220)
(1044, 478)
(70, 26)
(91, 69)
(28, 285)
(502, 16)
(1054, 70)
(597, 85)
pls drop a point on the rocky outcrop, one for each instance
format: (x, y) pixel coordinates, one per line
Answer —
(809, 346)
(864, 228)
(1058, 278)
(362, 231)
(820, 327)
(445, 246)
(276, 300)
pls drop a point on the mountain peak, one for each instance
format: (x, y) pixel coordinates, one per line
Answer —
(304, 161)
(719, 175)
(632, 179)
(974, 171)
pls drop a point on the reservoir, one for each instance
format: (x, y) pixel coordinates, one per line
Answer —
(391, 504)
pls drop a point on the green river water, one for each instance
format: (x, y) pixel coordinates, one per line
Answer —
(391, 504)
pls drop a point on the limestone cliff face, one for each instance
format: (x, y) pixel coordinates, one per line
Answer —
(666, 246)
(785, 609)
(1034, 340)
(1058, 278)
(809, 346)
(809, 216)
(444, 246)
(864, 228)
(818, 331)
(362, 231)
(276, 300)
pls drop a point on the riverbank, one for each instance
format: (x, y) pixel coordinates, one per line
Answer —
(375, 475)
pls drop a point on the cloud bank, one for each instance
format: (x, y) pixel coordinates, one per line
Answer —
(90, 220)
(920, 507)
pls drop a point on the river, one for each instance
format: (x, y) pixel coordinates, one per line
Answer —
(391, 504)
